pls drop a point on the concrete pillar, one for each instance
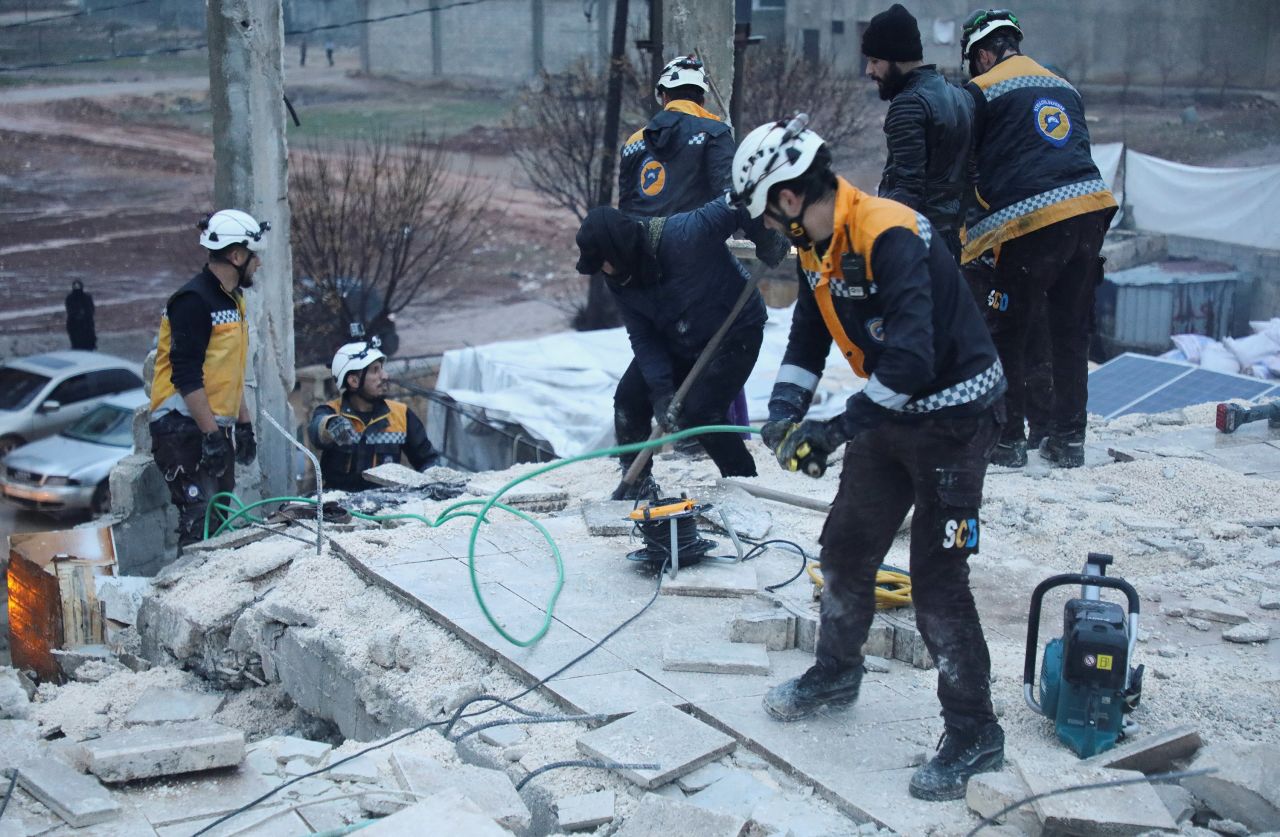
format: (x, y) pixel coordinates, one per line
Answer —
(251, 173)
(704, 27)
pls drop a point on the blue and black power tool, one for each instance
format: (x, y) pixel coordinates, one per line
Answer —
(1086, 683)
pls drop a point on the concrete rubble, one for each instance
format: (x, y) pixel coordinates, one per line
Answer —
(163, 750)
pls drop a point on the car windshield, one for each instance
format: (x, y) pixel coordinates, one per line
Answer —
(18, 387)
(107, 425)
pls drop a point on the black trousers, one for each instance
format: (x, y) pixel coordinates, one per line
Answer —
(1054, 270)
(708, 402)
(175, 445)
(938, 465)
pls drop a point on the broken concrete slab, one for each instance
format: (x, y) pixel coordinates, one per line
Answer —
(261, 566)
(490, 790)
(879, 639)
(738, 793)
(908, 644)
(715, 657)
(1178, 800)
(1269, 599)
(1245, 786)
(358, 769)
(75, 797)
(774, 629)
(256, 823)
(286, 748)
(1151, 753)
(703, 777)
(507, 735)
(121, 596)
(660, 815)
(585, 810)
(659, 735)
(1248, 632)
(713, 579)
(449, 811)
(1215, 611)
(19, 740)
(989, 793)
(159, 705)
(163, 750)
(529, 495)
(15, 703)
(747, 515)
(1111, 811)
(395, 475)
(784, 817)
(608, 518)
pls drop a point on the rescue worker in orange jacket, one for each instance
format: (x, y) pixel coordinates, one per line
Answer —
(362, 428)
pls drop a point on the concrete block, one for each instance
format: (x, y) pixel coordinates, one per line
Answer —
(1216, 611)
(715, 657)
(1178, 800)
(163, 750)
(75, 797)
(703, 777)
(785, 817)
(879, 640)
(449, 811)
(121, 596)
(286, 748)
(737, 793)
(713, 580)
(988, 793)
(359, 769)
(146, 528)
(14, 701)
(160, 706)
(659, 735)
(585, 811)
(1114, 811)
(529, 495)
(507, 735)
(659, 815)
(19, 740)
(1269, 600)
(1151, 753)
(608, 518)
(909, 647)
(261, 566)
(807, 627)
(774, 629)
(490, 790)
(1247, 632)
(1246, 786)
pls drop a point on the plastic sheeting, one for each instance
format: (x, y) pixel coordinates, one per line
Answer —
(559, 388)
(1107, 157)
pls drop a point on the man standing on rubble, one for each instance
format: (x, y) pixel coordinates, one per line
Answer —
(876, 279)
(362, 428)
(675, 282)
(927, 128)
(1042, 211)
(199, 417)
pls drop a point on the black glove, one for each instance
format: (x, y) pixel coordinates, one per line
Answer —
(246, 444)
(772, 247)
(215, 454)
(341, 431)
(775, 431)
(808, 445)
(668, 419)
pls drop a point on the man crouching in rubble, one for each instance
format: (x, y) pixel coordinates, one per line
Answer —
(675, 282)
(876, 278)
(362, 428)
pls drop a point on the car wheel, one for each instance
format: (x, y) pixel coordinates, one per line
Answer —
(9, 442)
(101, 502)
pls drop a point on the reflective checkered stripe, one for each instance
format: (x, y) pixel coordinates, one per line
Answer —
(838, 287)
(698, 139)
(384, 438)
(633, 148)
(225, 317)
(925, 228)
(1009, 85)
(1036, 203)
(961, 393)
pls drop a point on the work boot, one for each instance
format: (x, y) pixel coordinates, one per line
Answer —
(1062, 451)
(960, 755)
(801, 696)
(1010, 454)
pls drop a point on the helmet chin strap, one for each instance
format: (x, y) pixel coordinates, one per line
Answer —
(794, 224)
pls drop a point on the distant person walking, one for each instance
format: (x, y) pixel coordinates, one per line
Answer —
(80, 326)
(328, 51)
(302, 53)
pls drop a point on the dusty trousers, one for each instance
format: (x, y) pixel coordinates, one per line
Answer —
(1053, 270)
(175, 445)
(708, 402)
(938, 465)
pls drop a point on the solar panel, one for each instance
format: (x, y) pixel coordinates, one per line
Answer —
(1133, 383)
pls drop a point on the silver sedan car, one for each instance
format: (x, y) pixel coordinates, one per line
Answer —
(69, 473)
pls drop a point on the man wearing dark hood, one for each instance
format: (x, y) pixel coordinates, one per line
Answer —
(675, 282)
(80, 326)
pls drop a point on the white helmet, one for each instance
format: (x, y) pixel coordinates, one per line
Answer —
(681, 72)
(982, 23)
(231, 226)
(773, 153)
(354, 357)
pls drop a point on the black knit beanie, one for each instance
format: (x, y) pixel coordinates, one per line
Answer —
(893, 36)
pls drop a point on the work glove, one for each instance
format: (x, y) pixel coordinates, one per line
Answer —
(772, 247)
(807, 446)
(338, 430)
(775, 431)
(215, 454)
(246, 444)
(667, 418)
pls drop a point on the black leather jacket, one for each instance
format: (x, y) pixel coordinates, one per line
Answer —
(928, 131)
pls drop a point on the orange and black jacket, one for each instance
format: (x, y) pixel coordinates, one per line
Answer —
(887, 290)
(386, 431)
(203, 344)
(678, 162)
(1031, 155)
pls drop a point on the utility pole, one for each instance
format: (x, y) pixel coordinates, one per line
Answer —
(613, 102)
(246, 93)
(537, 30)
(705, 27)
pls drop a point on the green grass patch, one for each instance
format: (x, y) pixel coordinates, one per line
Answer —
(439, 117)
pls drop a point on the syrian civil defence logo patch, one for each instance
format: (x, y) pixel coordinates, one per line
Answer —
(652, 177)
(875, 329)
(1052, 121)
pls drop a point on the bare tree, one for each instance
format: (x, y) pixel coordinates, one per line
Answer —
(780, 82)
(375, 227)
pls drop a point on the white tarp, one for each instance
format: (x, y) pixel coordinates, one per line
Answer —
(560, 387)
(1107, 158)
(1233, 205)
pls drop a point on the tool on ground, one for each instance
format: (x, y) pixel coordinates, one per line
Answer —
(1086, 683)
(670, 530)
(1232, 416)
(642, 457)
